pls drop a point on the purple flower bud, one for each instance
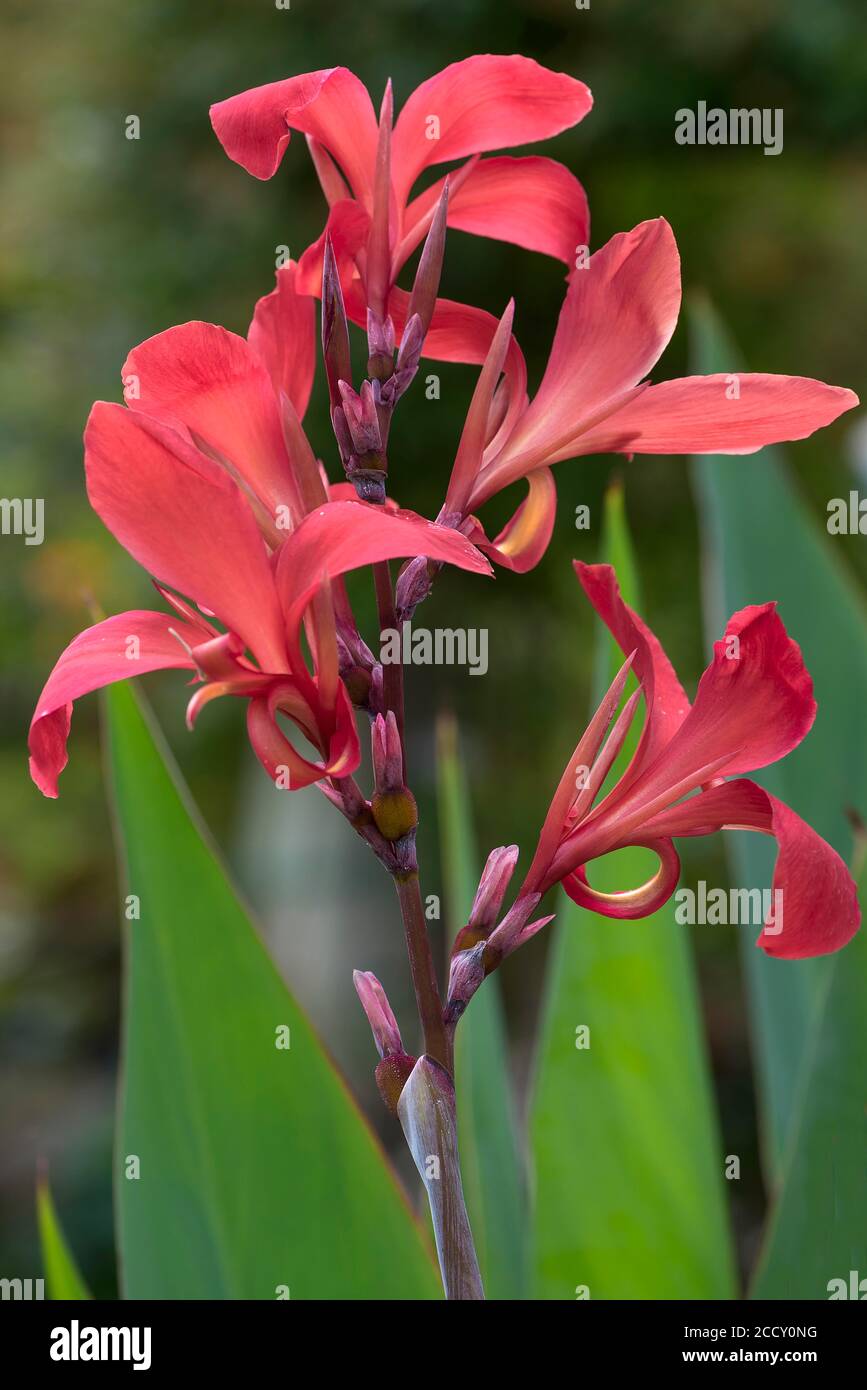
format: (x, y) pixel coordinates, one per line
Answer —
(396, 385)
(427, 278)
(383, 1023)
(492, 888)
(414, 585)
(380, 346)
(411, 344)
(362, 421)
(335, 330)
(387, 753)
(341, 434)
(513, 931)
(466, 973)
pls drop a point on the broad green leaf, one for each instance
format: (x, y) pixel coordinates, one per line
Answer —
(244, 1168)
(818, 1227)
(760, 543)
(628, 1168)
(494, 1179)
(62, 1278)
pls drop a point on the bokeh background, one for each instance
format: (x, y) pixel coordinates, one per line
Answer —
(107, 240)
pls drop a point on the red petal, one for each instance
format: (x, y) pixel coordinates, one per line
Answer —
(97, 657)
(331, 105)
(618, 315)
(533, 202)
(343, 536)
(526, 536)
(630, 903)
(665, 698)
(283, 336)
(280, 758)
(185, 521)
(754, 704)
(487, 102)
(695, 415)
(820, 911)
(348, 226)
(213, 382)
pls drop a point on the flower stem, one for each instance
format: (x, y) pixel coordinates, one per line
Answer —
(430, 1010)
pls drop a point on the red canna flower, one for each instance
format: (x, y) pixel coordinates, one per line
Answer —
(487, 102)
(618, 316)
(209, 482)
(754, 704)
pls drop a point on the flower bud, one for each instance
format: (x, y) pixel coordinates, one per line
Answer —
(387, 753)
(335, 330)
(466, 973)
(392, 1074)
(427, 278)
(380, 346)
(395, 814)
(492, 888)
(393, 805)
(374, 1001)
(414, 585)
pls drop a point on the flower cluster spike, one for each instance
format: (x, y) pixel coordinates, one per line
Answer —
(208, 477)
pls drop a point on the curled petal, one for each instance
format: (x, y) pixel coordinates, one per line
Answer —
(332, 105)
(487, 102)
(816, 906)
(128, 644)
(630, 903)
(286, 767)
(526, 536)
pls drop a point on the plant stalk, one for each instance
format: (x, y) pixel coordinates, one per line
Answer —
(437, 1043)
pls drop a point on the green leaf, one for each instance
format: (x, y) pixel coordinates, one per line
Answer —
(256, 1172)
(818, 1227)
(760, 543)
(62, 1277)
(494, 1177)
(629, 1173)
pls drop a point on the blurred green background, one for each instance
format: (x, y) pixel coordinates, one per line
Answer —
(107, 240)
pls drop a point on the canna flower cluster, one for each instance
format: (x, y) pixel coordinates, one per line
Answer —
(207, 476)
